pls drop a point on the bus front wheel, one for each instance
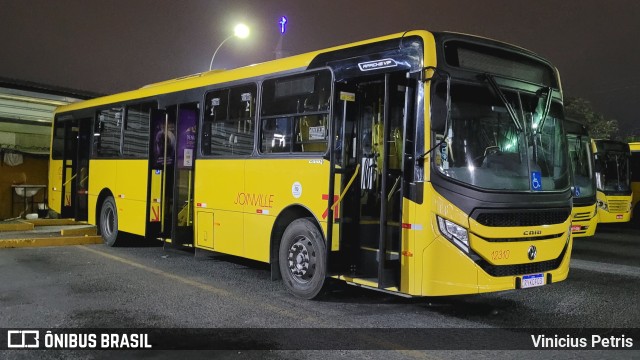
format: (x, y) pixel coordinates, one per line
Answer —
(109, 221)
(302, 258)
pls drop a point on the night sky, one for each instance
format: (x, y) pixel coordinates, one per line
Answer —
(111, 46)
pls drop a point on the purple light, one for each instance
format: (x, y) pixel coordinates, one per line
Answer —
(282, 22)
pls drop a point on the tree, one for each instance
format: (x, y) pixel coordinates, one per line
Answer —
(599, 127)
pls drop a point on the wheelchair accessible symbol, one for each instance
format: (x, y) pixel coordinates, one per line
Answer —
(536, 181)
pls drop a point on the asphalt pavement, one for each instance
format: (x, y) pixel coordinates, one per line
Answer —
(145, 286)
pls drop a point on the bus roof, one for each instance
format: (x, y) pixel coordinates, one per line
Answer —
(283, 65)
(218, 76)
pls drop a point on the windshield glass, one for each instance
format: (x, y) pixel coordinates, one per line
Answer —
(485, 147)
(612, 171)
(580, 156)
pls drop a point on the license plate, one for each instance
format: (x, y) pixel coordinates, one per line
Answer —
(533, 280)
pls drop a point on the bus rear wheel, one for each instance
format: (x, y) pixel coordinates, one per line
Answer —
(302, 258)
(109, 221)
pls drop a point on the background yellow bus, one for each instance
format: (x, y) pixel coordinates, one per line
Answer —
(611, 159)
(584, 214)
(417, 163)
(635, 182)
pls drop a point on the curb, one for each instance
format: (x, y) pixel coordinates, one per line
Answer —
(26, 225)
(18, 226)
(51, 241)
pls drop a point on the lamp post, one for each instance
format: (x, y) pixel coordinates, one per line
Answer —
(241, 31)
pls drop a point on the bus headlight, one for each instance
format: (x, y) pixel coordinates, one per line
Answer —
(454, 233)
(602, 205)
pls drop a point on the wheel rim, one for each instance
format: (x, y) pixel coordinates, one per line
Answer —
(108, 221)
(301, 259)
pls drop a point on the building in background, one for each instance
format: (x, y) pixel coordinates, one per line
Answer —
(26, 112)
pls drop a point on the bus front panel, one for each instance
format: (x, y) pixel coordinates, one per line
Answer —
(494, 258)
(585, 220)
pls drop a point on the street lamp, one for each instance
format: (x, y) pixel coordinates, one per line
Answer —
(241, 31)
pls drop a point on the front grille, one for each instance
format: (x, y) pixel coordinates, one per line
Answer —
(582, 215)
(523, 218)
(618, 206)
(521, 269)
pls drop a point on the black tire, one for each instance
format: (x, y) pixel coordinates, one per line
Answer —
(302, 258)
(109, 221)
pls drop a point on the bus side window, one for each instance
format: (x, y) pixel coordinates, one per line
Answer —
(294, 115)
(312, 133)
(241, 115)
(107, 133)
(216, 106)
(228, 121)
(276, 135)
(136, 131)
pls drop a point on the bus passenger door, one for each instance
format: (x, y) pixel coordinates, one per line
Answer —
(82, 170)
(370, 133)
(173, 145)
(75, 169)
(186, 126)
(158, 166)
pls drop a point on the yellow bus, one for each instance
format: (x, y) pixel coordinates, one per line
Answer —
(584, 214)
(613, 187)
(635, 182)
(417, 163)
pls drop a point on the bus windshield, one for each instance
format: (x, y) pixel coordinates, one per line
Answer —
(612, 171)
(485, 146)
(580, 156)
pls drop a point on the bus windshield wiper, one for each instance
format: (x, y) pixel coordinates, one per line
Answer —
(547, 107)
(512, 112)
